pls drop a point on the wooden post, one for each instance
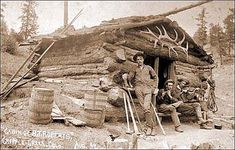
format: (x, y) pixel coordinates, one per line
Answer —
(65, 13)
(171, 71)
(156, 67)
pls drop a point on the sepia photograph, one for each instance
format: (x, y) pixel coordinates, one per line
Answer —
(141, 74)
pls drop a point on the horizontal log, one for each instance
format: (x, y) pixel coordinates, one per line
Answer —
(87, 77)
(72, 72)
(59, 67)
(90, 55)
(117, 52)
(73, 60)
(110, 47)
(110, 37)
(112, 65)
(70, 48)
(147, 47)
(185, 65)
(184, 70)
(206, 67)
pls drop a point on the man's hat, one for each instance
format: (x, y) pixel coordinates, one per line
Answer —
(186, 81)
(138, 54)
(169, 81)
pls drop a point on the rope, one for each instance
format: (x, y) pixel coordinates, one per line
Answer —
(211, 104)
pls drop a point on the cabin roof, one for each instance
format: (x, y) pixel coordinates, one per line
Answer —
(127, 23)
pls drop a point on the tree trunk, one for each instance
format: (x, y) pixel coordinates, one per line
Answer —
(147, 47)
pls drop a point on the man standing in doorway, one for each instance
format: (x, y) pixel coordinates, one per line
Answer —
(145, 79)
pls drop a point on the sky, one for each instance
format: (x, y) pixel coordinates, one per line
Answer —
(50, 13)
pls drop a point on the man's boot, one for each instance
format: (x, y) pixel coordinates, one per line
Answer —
(199, 115)
(149, 123)
(201, 121)
(154, 132)
(148, 131)
(178, 129)
(204, 126)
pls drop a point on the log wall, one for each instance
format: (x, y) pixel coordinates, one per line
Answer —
(191, 73)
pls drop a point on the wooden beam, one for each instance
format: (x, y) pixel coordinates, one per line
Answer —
(177, 10)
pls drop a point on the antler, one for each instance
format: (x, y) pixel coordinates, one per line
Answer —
(151, 33)
(164, 35)
(167, 36)
(185, 50)
(180, 42)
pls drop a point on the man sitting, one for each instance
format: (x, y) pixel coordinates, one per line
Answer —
(190, 98)
(168, 103)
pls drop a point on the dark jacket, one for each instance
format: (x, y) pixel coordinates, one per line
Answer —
(165, 98)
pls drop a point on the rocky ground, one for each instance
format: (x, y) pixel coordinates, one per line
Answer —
(18, 132)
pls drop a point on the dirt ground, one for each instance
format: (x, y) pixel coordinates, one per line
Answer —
(18, 132)
(14, 124)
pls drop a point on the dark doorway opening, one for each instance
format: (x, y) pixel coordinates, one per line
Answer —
(163, 71)
(149, 60)
(162, 68)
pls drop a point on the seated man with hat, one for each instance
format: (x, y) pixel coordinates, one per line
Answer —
(200, 95)
(190, 98)
(169, 103)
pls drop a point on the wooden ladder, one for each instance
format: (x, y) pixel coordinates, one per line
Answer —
(5, 92)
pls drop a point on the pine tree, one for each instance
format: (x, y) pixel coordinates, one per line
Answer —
(218, 40)
(3, 27)
(29, 19)
(4, 30)
(229, 30)
(200, 35)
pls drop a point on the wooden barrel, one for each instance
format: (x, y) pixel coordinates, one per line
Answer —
(40, 105)
(95, 100)
(93, 118)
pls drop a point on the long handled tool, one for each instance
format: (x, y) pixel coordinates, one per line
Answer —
(138, 118)
(127, 116)
(133, 119)
(158, 120)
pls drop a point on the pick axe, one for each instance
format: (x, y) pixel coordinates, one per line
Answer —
(133, 118)
(127, 116)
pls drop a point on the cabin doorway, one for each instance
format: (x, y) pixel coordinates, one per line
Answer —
(163, 67)
(164, 71)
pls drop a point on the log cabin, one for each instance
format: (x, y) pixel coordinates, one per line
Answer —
(91, 56)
